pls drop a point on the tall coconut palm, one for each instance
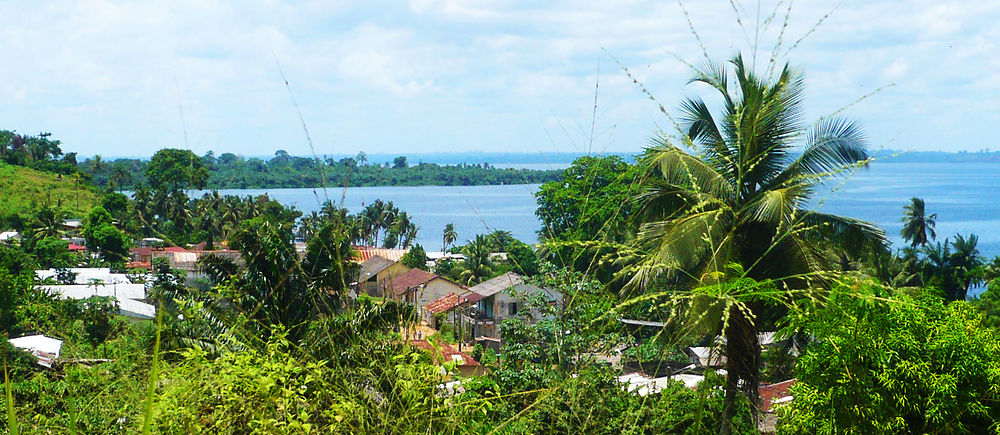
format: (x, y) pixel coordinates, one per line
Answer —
(736, 207)
(448, 236)
(477, 266)
(917, 224)
(48, 223)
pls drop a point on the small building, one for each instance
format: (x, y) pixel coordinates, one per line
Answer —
(706, 356)
(442, 353)
(419, 288)
(450, 308)
(376, 274)
(145, 254)
(84, 275)
(10, 236)
(503, 298)
(72, 224)
(149, 242)
(128, 296)
(45, 348)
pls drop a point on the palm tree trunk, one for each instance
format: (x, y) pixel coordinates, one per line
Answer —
(742, 367)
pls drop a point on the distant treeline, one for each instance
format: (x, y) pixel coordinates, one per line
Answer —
(230, 171)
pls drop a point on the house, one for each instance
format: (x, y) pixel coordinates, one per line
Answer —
(45, 348)
(128, 296)
(705, 356)
(443, 353)
(503, 298)
(72, 224)
(10, 236)
(84, 275)
(149, 242)
(450, 308)
(419, 288)
(376, 273)
(144, 255)
(642, 385)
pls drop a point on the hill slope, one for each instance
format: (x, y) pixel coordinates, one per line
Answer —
(24, 190)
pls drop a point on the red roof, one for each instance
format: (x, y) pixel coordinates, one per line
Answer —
(770, 393)
(451, 300)
(73, 247)
(444, 353)
(365, 252)
(410, 279)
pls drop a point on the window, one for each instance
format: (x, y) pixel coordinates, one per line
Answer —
(513, 308)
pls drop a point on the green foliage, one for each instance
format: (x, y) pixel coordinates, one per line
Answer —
(415, 258)
(917, 225)
(327, 263)
(173, 169)
(104, 238)
(988, 304)
(54, 253)
(25, 191)
(883, 363)
(477, 266)
(591, 201)
(952, 267)
(229, 171)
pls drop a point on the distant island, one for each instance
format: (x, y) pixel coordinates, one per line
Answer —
(230, 171)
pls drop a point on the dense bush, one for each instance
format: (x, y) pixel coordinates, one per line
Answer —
(883, 363)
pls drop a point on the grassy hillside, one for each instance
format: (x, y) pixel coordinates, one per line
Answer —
(24, 190)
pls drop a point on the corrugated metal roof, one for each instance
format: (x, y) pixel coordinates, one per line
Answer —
(498, 284)
(46, 349)
(365, 252)
(373, 265)
(450, 301)
(410, 279)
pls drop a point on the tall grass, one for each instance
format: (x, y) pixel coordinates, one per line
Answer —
(11, 416)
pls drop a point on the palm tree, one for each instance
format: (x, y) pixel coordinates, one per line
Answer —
(448, 237)
(966, 264)
(735, 210)
(917, 224)
(120, 177)
(477, 266)
(48, 223)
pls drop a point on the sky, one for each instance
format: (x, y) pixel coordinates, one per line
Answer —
(129, 78)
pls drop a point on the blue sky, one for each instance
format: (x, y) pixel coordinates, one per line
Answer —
(114, 78)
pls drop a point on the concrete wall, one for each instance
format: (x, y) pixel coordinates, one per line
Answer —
(382, 280)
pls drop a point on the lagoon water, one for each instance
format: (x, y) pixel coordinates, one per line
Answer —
(966, 198)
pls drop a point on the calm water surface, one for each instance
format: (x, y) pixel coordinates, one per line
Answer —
(966, 198)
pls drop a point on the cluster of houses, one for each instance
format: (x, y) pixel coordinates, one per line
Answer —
(478, 309)
(475, 313)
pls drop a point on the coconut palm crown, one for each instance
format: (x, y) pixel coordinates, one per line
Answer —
(917, 224)
(741, 195)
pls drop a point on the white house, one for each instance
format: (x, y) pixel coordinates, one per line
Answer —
(128, 296)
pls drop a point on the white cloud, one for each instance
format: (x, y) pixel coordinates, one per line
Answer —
(447, 74)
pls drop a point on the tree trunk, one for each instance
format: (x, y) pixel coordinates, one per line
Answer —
(742, 367)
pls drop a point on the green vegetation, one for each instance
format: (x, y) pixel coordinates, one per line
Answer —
(229, 171)
(706, 241)
(891, 363)
(25, 191)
